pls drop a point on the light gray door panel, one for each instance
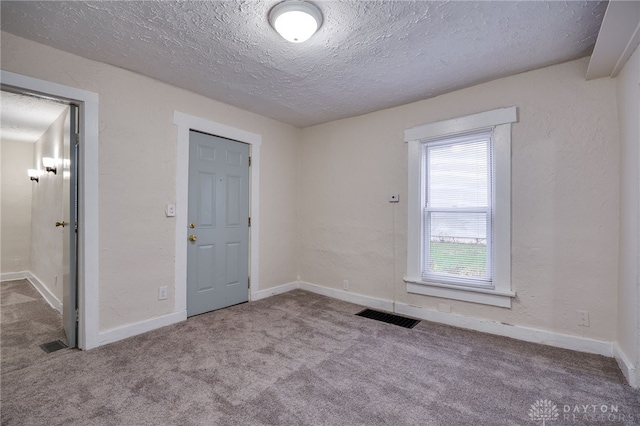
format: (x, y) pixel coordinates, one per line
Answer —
(70, 220)
(218, 255)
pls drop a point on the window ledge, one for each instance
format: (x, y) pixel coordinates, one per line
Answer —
(483, 296)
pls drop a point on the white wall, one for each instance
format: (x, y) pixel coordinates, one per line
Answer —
(628, 90)
(15, 230)
(565, 155)
(46, 209)
(137, 178)
(323, 191)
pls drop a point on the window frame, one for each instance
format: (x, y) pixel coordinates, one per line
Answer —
(499, 293)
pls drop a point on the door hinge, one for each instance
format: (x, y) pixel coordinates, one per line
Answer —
(77, 315)
(249, 161)
(249, 282)
(249, 222)
(77, 139)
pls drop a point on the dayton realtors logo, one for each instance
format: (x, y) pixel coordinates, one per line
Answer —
(595, 413)
(544, 411)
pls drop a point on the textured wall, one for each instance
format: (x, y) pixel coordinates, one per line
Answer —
(565, 154)
(15, 231)
(565, 191)
(46, 209)
(137, 175)
(629, 288)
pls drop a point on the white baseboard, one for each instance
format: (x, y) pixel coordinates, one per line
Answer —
(581, 344)
(358, 299)
(549, 338)
(130, 330)
(12, 276)
(263, 294)
(347, 296)
(631, 373)
(51, 299)
(527, 334)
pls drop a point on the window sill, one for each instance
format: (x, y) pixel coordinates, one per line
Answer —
(483, 296)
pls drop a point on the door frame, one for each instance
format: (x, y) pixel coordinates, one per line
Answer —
(87, 260)
(185, 123)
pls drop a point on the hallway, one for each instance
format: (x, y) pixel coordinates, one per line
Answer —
(27, 321)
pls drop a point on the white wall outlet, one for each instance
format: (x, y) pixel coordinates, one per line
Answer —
(443, 307)
(583, 318)
(163, 292)
(171, 210)
(345, 285)
(394, 198)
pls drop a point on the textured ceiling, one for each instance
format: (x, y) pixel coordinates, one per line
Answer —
(368, 55)
(25, 118)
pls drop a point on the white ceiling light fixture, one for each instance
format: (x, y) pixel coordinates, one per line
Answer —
(295, 21)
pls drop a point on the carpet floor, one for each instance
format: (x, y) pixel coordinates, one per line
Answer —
(26, 322)
(303, 359)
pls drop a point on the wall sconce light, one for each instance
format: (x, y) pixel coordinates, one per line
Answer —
(34, 174)
(295, 21)
(49, 164)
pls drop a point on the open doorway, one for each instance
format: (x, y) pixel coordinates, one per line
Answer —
(39, 227)
(88, 170)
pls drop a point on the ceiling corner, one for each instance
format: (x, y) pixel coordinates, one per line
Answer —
(618, 38)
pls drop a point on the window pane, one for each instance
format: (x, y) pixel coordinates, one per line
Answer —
(457, 174)
(456, 244)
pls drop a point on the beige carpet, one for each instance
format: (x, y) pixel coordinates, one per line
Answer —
(303, 359)
(26, 322)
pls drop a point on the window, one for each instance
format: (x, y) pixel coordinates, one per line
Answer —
(459, 236)
(456, 206)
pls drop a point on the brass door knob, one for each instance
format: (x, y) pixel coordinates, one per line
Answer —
(63, 224)
(193, 238)
(192, 225)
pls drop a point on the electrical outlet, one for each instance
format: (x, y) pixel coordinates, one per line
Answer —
(583, 318)
(163, 292)
(345, 285)
(171, 210)
(394, 198)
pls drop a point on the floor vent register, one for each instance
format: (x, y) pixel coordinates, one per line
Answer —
(52, 346)
(389, 318)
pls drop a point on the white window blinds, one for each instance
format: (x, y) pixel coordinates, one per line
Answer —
(457, 202)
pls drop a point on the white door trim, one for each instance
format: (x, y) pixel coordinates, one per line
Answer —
(88, 290)
(186, 122)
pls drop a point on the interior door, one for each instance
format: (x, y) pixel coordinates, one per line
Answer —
(218, 223)
(70, 223)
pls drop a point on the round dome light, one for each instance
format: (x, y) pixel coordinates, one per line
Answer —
(295, 21)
